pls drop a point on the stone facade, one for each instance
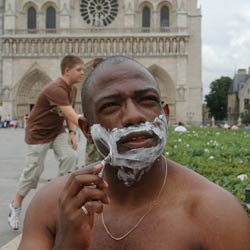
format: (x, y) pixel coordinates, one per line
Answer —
(206, 116)
(165, 36)
(238, 95)
(1, 34)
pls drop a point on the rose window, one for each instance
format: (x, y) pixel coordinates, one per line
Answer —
(99, 12)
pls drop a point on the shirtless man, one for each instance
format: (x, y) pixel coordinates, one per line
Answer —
(152, 203)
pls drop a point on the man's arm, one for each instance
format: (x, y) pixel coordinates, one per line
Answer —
(72, 120)
(70, 114)
(55, 220)
(38, 217)
(72, 133)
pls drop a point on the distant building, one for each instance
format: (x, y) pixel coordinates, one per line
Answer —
(165, 36)
(1, 58)
(238, 95)
(206, 115)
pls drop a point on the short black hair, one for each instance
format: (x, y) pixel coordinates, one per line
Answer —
(97, 67)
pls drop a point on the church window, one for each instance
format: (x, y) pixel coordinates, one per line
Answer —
(146, 17)
(99, 13)
(50, 18)
(31, 18)
(164, 16)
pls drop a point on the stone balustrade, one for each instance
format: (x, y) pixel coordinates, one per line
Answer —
(98, 30)
(95, 46)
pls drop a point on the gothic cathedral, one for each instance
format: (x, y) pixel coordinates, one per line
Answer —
(164, 35)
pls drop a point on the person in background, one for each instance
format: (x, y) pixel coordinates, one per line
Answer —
(8, 120)
(45, 130)
(180, 128)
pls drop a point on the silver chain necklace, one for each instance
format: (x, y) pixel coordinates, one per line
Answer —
(151, 206)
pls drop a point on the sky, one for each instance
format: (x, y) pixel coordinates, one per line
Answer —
(225, 38)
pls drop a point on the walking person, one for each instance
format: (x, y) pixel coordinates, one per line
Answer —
(45, 130)
(8, 120)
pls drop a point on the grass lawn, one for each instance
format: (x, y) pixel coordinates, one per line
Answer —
(218, 154)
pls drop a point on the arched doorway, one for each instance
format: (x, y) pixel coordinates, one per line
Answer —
(28, 90)
(167, 89)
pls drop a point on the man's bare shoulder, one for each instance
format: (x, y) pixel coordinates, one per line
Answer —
(211, 208)
(187, 183)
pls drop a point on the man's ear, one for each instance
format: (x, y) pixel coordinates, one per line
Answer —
(66, 70)
(166, 110)
(84, 126)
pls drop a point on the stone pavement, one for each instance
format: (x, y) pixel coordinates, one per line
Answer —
(12, 160)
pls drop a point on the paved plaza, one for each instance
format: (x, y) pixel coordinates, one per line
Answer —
(12, 160)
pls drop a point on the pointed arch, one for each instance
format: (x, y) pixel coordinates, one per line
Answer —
(50, 10)
(145, 14)
(165, 9)
(167, 89)
(27, 4)
(28, 89)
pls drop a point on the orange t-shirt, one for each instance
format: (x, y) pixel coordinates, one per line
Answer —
(46, 119)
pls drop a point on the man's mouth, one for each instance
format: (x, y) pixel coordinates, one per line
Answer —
(136, 140)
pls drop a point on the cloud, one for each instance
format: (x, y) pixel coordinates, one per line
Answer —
(225, 38)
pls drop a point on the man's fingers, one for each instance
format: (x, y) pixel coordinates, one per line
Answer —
(90, 194)
(94, 168)
(92, 207)
(91, 169)
(80, 181)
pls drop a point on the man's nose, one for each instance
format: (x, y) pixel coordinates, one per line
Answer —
(132, 115)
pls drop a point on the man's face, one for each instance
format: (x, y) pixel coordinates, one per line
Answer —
(75, 74)
(126, 95)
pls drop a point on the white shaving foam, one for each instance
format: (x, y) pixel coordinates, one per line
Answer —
(135, 162)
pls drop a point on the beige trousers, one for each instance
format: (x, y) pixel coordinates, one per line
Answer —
(36, 154)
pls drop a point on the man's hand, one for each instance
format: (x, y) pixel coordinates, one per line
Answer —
(73, 141)
(84, 188)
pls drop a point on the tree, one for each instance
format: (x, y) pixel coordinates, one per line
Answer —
(217, 98)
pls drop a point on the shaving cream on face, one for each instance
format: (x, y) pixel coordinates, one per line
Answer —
(135, 162)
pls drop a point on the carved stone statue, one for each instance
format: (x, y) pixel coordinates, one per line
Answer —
(181, 90)
(181, 5)
(129, 6)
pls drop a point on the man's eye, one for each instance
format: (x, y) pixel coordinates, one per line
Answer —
(150, 99)
(108, 105)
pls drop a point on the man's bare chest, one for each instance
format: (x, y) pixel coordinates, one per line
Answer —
(151, 234)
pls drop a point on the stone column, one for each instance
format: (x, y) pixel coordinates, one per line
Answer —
(129, 16)
(65, 16)
(10, 16)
